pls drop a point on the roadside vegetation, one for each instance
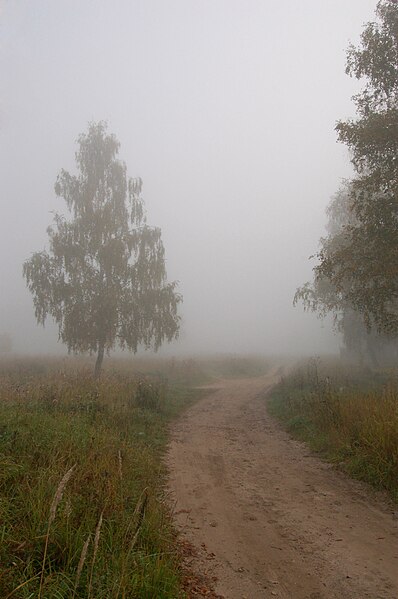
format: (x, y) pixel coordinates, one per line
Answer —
(347, 413)
(83, 508)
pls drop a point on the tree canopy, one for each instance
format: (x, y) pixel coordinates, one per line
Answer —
(324, 297)
(367, 262)
(103, 279)
(358, 261)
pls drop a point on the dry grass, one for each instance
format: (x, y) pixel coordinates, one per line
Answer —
(81, 563)
(53, 510)
(348, 414)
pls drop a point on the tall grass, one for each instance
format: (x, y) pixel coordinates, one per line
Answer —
(348, 414)
(82, 510)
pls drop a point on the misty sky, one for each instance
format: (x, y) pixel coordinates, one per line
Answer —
(225, 108)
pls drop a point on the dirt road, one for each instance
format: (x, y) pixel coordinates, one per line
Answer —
(270, 519)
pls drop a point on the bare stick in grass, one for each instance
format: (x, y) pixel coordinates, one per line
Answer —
(21, 585)
(53, 510)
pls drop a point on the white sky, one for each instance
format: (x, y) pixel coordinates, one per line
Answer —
(225, 108)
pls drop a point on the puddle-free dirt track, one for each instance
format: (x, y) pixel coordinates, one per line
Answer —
(275, 521)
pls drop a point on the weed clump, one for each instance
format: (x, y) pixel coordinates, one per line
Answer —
(150, 394)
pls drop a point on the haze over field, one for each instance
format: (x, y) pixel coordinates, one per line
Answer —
(225, 108)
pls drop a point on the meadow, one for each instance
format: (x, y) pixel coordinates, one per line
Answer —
(347, 413)
(83, 506)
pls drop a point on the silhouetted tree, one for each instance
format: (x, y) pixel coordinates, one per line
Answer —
(324, 297)
(103, 279)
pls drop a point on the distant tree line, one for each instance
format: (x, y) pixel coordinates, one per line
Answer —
(356, 277)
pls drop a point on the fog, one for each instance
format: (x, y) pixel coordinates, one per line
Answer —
(225, 108)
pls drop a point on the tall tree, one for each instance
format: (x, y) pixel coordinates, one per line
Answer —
(367, 263)
(363, 265)
(103, 279)
(323, 296)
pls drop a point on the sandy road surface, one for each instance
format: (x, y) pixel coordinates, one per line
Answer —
(276, 521)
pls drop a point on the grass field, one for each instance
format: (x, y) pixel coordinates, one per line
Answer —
(348, 414)
(83, 511)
